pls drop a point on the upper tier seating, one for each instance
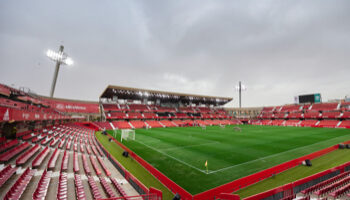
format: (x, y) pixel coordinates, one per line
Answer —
(323, 106)
(345, 115)
(290, 108)
(266, 116)
(280, 115)
(150, 115)
(110, 107)
(331, 115)
(311, 115)
(268, 109)
(296, 115)
(204, 109)
(165, 109)
(134, 115)
(4, 90)
(181, 115)
(116, 115)
(138, 107)
(187, 109)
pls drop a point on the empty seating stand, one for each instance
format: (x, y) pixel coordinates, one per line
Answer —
(94, 164)
(107, 188)
(43, 185)
(62, 190)
(41, 156)
(86, 165)
(53, 159)
(6, 173)
(75, 163)
(79, 188)
(8, 145)
(27, 155)
(325, 183)
(118, 187)
(7, 155)
(64, 165)
(94, 189)
(105, 169)
(20, 185)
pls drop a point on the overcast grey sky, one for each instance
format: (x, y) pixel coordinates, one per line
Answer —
(278, 49)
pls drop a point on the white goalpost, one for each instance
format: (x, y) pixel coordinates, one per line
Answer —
(204, 127)
(127, 134)
(222, 125)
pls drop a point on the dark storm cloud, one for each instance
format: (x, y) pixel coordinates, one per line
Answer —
(279, 49)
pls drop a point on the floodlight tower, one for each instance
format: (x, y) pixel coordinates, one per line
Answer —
(240, 88)
(60, 58)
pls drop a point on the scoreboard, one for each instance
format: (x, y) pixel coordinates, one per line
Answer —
(310, 98)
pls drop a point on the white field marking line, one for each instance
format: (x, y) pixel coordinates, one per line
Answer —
(172, 157)
(195, 145)
(262, 158)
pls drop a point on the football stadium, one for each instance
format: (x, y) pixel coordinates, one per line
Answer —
(139, 126)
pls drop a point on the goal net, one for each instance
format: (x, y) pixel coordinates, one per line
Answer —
(204, 127)
(222, 125)
(127, 134)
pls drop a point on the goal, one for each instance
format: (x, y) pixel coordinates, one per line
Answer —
(222, 126)
(204, 127)
(127, 134)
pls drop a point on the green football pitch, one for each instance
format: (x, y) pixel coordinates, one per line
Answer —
(181, 153)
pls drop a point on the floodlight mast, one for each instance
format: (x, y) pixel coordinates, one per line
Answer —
(240, 87)
(58, 63)
(60, 58)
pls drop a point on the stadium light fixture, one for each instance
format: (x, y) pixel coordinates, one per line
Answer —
(240, 88)
(60, 58)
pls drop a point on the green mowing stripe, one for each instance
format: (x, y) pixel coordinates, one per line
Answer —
(180, 153)
(133, 167)
(322, 163)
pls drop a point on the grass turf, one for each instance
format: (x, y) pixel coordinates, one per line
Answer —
(133, 167)
(180, 153)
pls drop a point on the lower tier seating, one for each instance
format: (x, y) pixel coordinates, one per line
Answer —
(20, 185)
(43, 185)
(6, 173)
(94, 189)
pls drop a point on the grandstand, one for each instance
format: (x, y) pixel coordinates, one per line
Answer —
(49, 150)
